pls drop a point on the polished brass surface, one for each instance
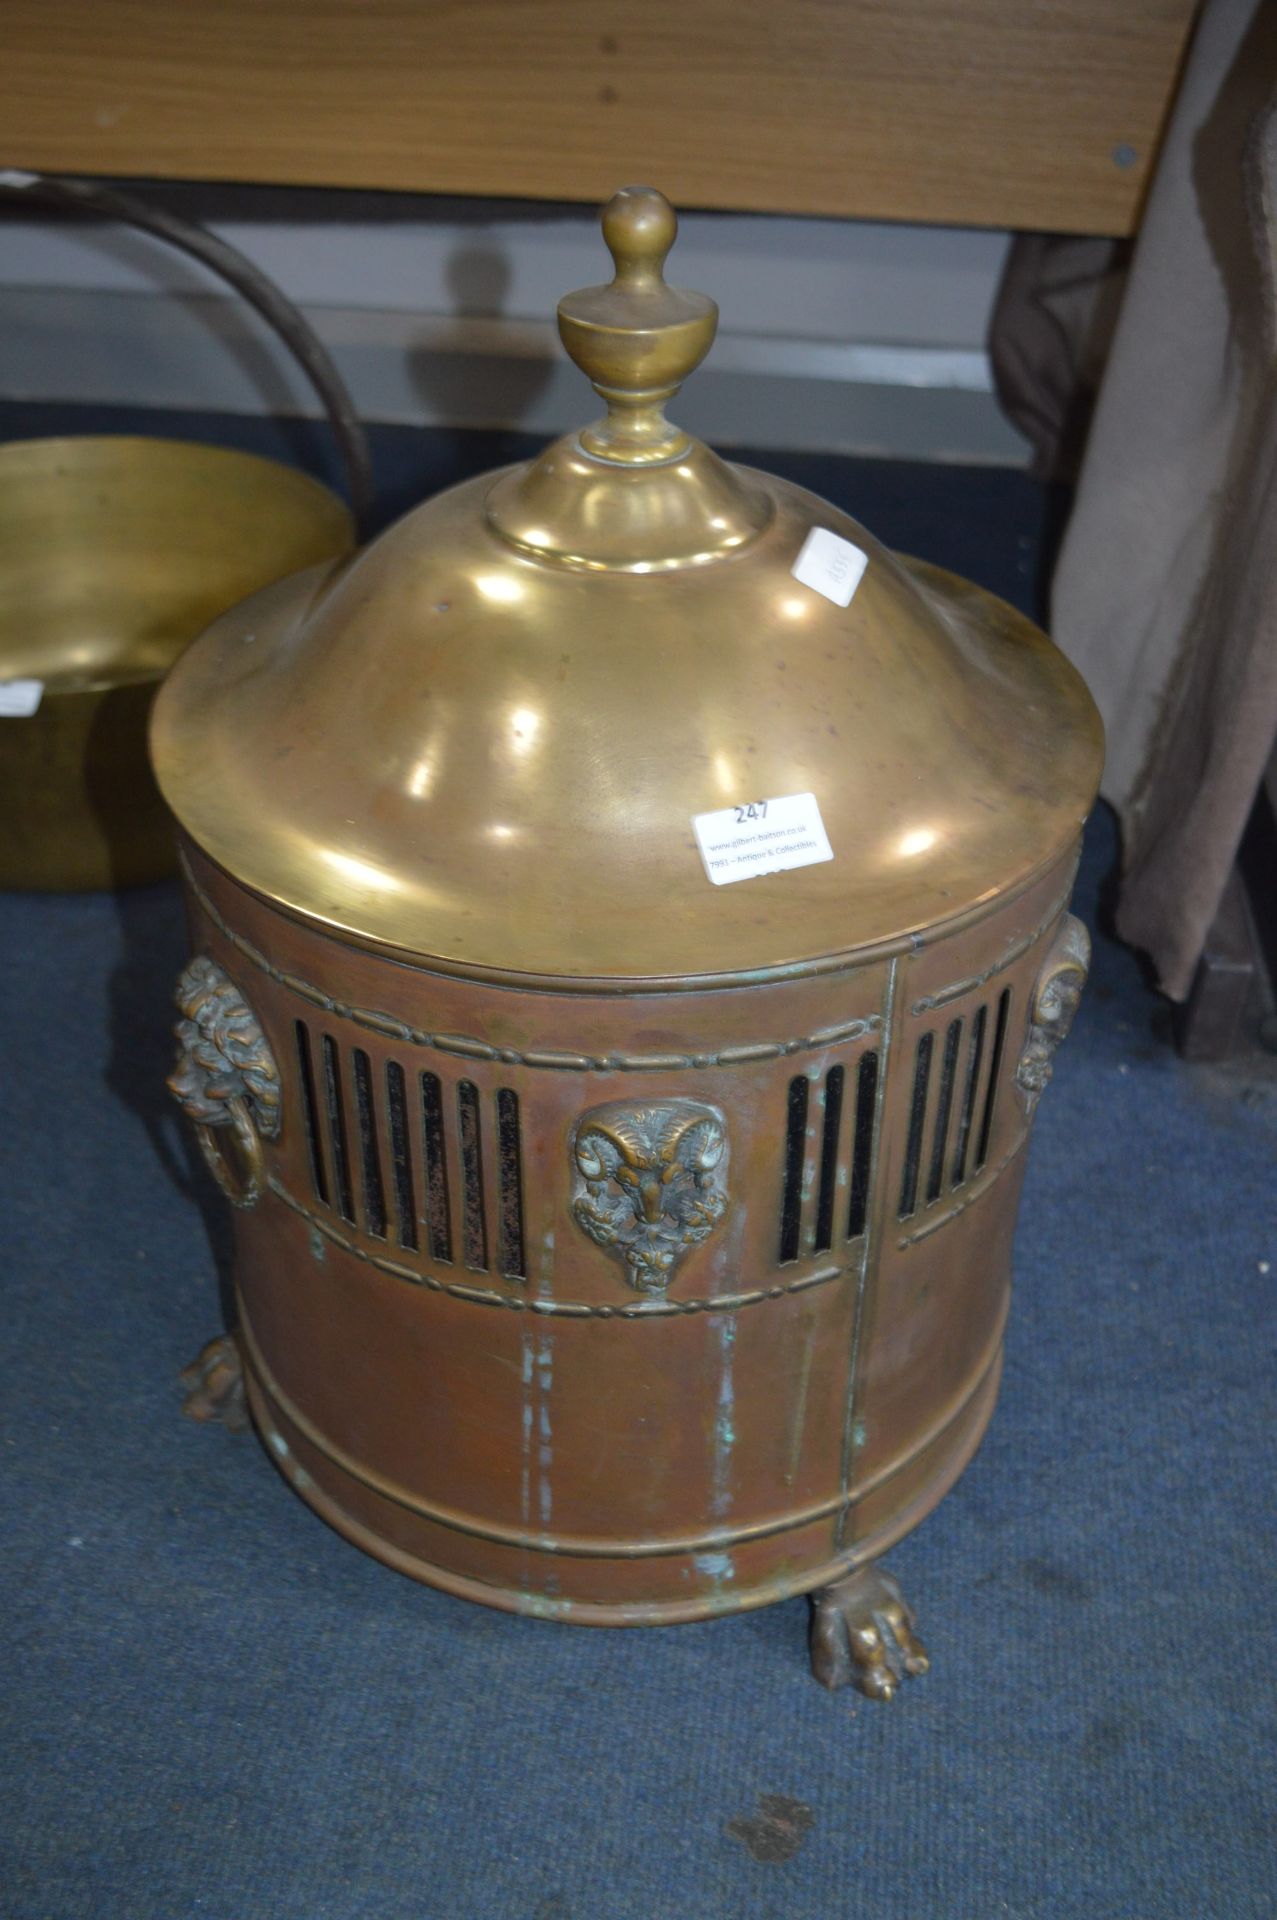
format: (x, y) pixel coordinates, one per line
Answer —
(550, 673)
(522, 752)
(637, 339)
(631, 1249)
(114, 553)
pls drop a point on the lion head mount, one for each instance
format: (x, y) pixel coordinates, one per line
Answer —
(654, 1183)
(224, 1063)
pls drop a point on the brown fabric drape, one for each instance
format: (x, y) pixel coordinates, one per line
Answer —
(1050, 335)
(1166, 590)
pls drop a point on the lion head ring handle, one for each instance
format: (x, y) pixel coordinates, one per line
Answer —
(225, 1079)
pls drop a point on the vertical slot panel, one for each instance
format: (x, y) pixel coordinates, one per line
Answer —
(944, 1109)
(474, 1226)
(791, 1206)
(510, 1175)
(917, 1121)
(374, 1191)
(310, 1111)
(401, 1155)
(862, 1144)
(338, 1144)
(435, 1156)
(834, 1084)
(995, 1075)
(971, 1087)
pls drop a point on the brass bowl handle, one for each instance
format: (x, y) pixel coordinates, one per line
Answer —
(88, 196)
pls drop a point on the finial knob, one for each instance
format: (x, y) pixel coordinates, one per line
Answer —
(639, 226)
(637, 339)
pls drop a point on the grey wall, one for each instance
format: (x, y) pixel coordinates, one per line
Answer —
(835, 335)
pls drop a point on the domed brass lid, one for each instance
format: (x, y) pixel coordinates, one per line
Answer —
(484, 740)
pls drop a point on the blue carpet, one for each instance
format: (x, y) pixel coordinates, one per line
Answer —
(214, 1706)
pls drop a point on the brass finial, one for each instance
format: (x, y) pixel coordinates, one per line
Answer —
(637, 339)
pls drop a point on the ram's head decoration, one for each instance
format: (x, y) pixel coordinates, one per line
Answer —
(651, 1183)
(1055, 1001)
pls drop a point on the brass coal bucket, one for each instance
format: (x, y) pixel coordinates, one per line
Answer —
(629, 910)
(115, 552)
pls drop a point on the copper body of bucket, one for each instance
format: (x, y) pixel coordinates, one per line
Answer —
(469, 1386)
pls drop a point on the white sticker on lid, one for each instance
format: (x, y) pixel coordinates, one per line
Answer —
(19, 698)
(830, 565)
(761, 836)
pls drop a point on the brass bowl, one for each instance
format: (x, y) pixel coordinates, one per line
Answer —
(115, 552)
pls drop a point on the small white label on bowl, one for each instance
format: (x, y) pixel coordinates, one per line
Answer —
(19, 698)
(830, 565)
(761, 836)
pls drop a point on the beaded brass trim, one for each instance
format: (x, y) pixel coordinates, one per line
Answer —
(968, 1199)
(944, 995)
(571, 1309)
(390, 1027)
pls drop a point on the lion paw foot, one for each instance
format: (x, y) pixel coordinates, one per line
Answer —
(862, 1635)
(213, 1385)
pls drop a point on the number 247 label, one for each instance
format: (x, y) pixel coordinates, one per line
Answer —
(761, 836)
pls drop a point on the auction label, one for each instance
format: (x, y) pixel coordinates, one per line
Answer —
(761, 836)
(830, 565)
(19, 698)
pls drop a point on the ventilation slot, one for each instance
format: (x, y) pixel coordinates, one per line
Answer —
(401, 1155)
(474, 1232)
(438, 1213)
(995, 1074)
(862, 1145)
(834, 1080)
(791, 1208)
(369, 1156)
(511, 1174)
(917, 1118)
(338, 1147)
(310, 1111)
(966, 1113)
(944, 1108)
